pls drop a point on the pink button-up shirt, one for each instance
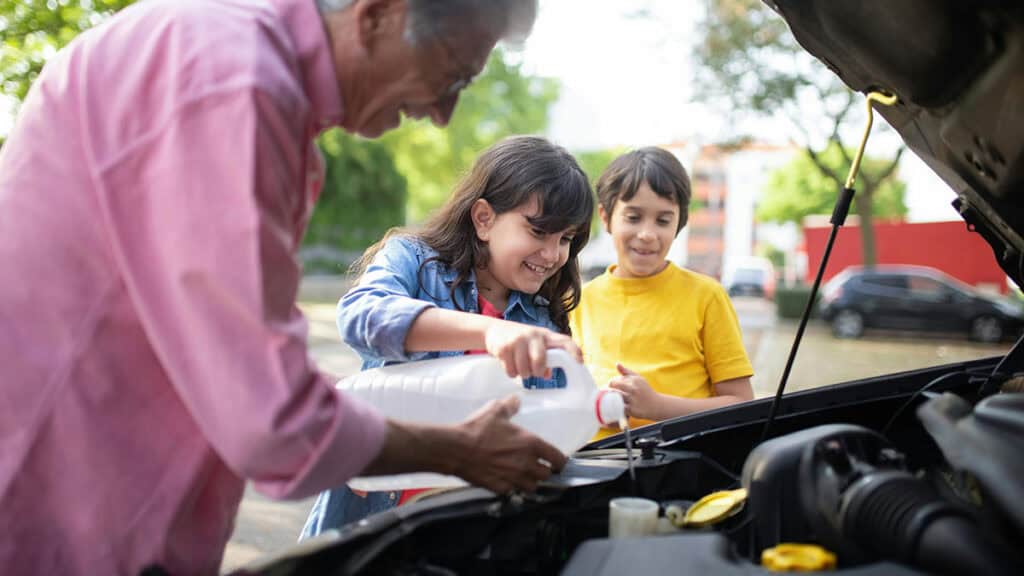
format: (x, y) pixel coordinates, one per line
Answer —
(153, 194)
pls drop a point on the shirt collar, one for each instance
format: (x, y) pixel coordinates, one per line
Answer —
(526, 303)
(313, 48)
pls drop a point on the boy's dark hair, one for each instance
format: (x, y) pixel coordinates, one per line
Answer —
(507, 175)
(657, 167)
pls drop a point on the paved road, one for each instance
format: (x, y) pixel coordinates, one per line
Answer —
(265, 526)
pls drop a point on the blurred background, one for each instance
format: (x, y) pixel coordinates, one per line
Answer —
(765, 131)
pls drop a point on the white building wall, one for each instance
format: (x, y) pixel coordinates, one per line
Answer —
(746, 173)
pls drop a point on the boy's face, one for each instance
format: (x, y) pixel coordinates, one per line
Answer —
(642, 229)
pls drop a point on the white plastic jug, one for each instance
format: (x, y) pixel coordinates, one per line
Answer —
(448, 390)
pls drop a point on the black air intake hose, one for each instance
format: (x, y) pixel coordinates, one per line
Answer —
(891, 514)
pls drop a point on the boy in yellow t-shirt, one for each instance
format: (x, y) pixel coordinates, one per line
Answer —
(666, 338)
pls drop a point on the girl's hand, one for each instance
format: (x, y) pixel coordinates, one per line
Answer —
(641, 400)
(522, 348)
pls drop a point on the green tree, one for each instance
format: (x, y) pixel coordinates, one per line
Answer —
(593, 163)
(501, 102)
(800, 188)
(749, 60)
(33, 30)
(363, 195)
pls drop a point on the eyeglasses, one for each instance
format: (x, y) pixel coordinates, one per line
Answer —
(464, 79)
(457, 86)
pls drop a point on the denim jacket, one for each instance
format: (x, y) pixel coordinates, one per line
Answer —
(374, 318)
(402, 281)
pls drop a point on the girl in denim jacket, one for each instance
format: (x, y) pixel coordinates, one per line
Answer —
(494, 270)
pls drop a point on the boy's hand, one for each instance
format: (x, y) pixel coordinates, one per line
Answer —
(641, 400)
(522, 349)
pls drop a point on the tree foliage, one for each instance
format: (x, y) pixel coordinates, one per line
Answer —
(749, 61)
(501, 102)
(800, 189)
(363, 193)
(33, 30)
(593, 163)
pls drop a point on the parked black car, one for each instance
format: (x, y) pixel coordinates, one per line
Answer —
(912, 473)
(915, 298)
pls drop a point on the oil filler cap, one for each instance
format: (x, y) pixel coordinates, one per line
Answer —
(714, 508)
(797, 558)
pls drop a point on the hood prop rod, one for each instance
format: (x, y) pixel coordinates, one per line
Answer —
(839, 213)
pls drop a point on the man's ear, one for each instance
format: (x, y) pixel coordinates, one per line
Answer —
(377, 21)
(604, 216)
(483, 216)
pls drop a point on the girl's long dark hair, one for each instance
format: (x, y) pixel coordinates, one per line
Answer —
(507, 175)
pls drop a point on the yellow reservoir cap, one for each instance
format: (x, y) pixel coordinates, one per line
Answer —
(714, 508)
(790, 557)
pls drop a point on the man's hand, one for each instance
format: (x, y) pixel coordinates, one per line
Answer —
(640, 399)
(522, 349)
(486, 449)
(501, 456)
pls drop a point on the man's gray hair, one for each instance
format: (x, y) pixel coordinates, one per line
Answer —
(508, 20)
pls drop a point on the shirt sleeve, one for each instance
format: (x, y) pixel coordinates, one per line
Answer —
(725, 357)
(205, 214)
(374, 317)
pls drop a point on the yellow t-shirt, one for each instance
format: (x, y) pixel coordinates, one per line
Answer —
(676, 328)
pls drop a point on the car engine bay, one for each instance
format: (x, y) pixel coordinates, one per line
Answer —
(916, 473)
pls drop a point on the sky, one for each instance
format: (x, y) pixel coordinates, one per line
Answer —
(624, 79)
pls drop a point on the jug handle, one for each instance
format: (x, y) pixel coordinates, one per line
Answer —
(577, 377)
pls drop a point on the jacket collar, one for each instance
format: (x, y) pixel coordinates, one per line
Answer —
(468, 293)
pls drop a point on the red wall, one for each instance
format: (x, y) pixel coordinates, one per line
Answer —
(947, 246)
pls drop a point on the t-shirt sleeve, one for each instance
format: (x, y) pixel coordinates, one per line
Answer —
(724, 355)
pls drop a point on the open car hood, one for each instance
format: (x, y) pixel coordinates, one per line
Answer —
(958, 70)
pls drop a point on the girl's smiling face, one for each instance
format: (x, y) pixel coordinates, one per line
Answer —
(642, 229)
(522, 256)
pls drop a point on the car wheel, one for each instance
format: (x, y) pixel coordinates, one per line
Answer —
(848, 324)
(986, 329)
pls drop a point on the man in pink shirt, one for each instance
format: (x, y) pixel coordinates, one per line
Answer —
(153, 194)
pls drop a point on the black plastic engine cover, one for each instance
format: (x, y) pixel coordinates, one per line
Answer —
(773, 479)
